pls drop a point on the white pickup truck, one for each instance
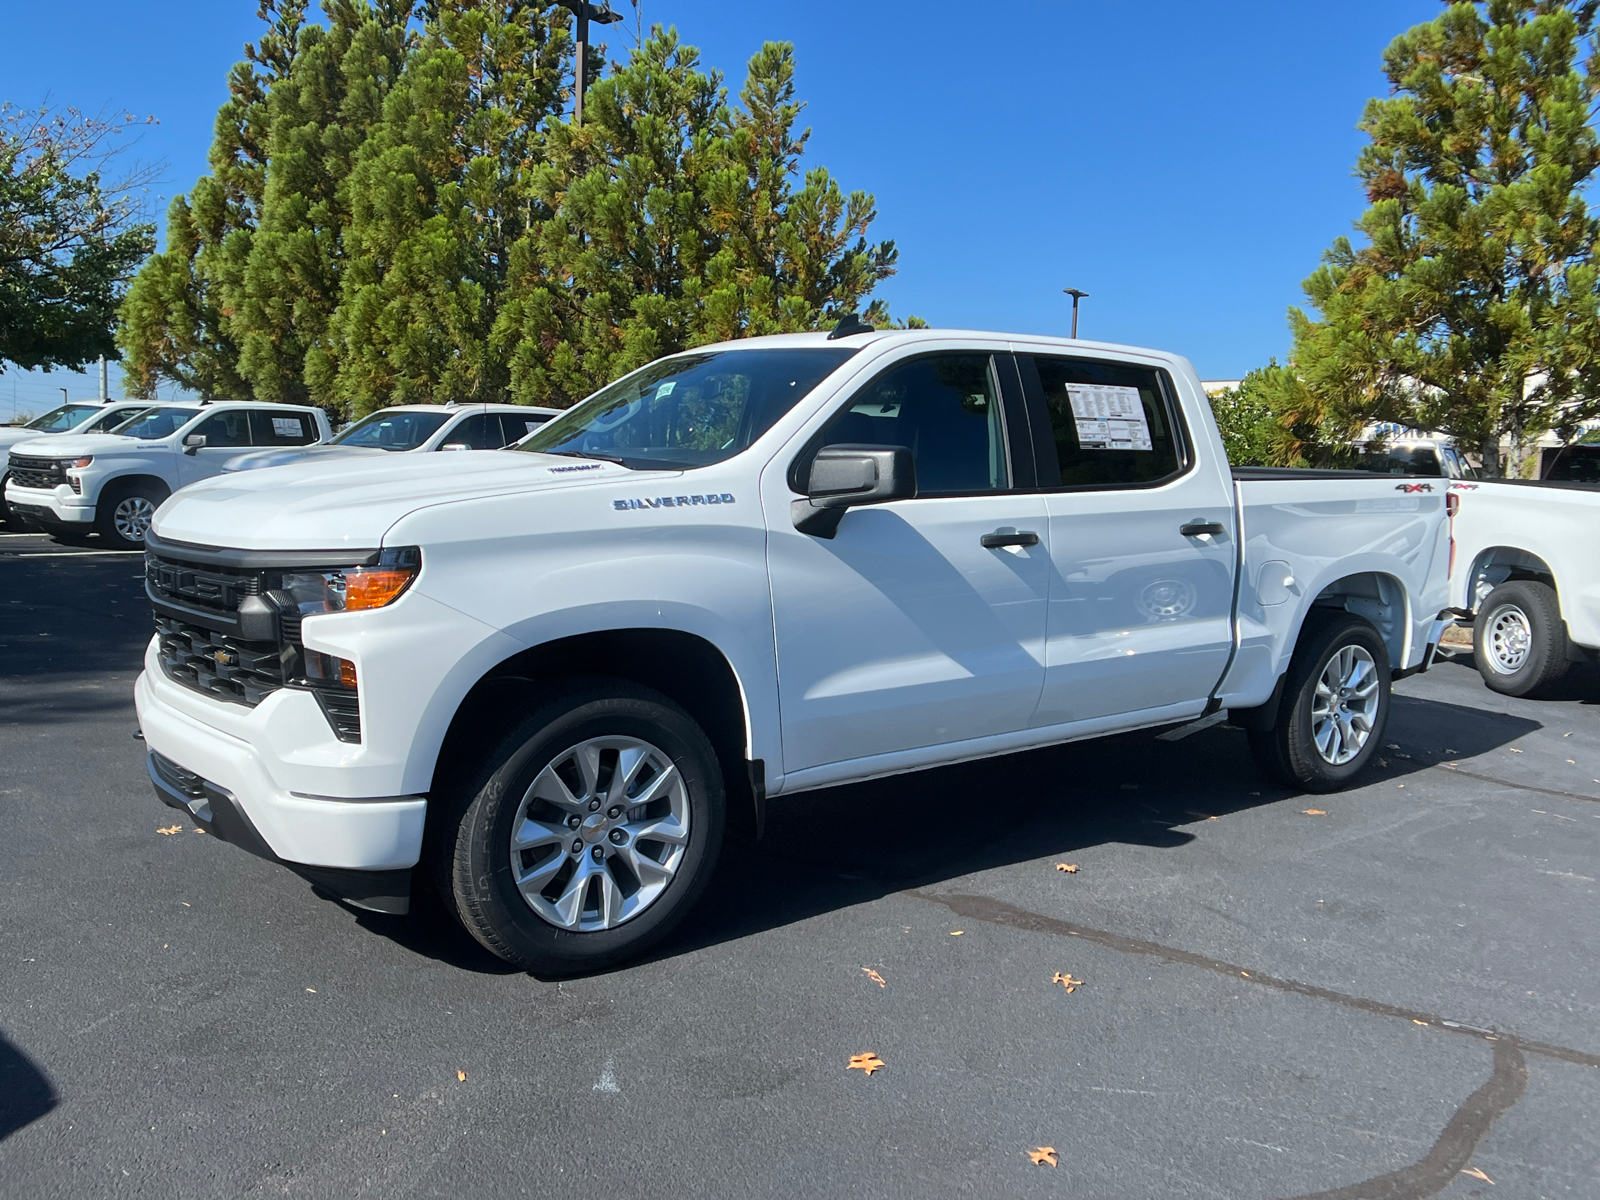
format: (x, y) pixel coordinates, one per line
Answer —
(1527, 573)
(543, 676)
(111, 482)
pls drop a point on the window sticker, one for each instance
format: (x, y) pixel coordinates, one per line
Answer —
(1109, 417)
(286, 426)
(666, 389)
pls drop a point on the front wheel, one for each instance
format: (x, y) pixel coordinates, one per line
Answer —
(1518, 641)
(588, 834)
(1334, 709)
(125, 511)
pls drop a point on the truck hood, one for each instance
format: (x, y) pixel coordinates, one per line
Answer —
(66, 445)
(11, 437)
(351, 504)
(256, 459)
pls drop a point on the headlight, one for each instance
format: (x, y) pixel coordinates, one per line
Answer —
(351, 589)
(71, 465)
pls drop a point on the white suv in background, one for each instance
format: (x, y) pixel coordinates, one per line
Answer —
(80, 416)
(113, 482)
(414, 427)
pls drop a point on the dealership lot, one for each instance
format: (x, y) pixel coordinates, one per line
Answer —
(1387, 991)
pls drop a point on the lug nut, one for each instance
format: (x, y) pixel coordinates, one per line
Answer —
(614, 811)
(574, 821)
(597, 854)
(577, 845)
(594, 806)
(618, 837)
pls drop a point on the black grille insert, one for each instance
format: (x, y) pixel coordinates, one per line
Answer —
(343, 710)
(42, 473)
(215, 588)
(218, 664)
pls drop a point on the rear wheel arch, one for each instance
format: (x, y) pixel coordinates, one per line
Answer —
(1501, 564)
(1380, 599)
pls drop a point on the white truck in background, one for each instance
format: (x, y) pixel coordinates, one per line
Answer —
(534, 678)
(1527, 574)
(79, 416)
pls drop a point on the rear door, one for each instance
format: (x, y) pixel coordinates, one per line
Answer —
(904, 631)
(1141, 540)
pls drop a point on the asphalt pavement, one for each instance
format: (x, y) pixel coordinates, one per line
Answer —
(1388, 992)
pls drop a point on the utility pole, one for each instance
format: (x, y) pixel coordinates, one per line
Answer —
(583, 12)
(63, 392)
(1076, 296)
(105, 380)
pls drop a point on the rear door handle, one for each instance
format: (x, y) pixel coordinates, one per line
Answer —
(1196, 528)
(1008, 537)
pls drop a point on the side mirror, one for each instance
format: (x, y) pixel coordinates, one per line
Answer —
(455, 446)
(846, 476)
(193, 442)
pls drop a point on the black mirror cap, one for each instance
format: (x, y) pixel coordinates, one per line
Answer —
(849, 475)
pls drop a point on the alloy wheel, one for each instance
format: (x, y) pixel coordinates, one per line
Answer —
(600, 833)
(131, 517)
(1344, 708)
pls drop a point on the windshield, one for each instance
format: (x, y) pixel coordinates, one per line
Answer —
(393, 430)
(151, 423)
(112, 418)
(689, 411)
(59, 420)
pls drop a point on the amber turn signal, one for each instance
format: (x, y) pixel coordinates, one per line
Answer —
(375, 587)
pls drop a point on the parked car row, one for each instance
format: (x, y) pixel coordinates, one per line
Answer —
(106, 468)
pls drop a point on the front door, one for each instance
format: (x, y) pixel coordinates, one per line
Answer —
(227, 435)
(1142, 539)
(904, 630)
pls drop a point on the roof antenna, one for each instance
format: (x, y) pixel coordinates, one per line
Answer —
(849, 325)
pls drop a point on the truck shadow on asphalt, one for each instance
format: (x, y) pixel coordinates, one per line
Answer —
(26, 1093)
(839, 847)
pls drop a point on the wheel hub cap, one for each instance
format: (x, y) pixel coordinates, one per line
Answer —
(1510, 638)
(616, 866)
(1344, 708)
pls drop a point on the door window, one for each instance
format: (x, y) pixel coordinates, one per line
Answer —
(517, 426)
(946, 409)
(479, 432)
(1111, 424)
(283, 428)
(226, 429)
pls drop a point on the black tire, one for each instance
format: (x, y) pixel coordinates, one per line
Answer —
(1288, 751)
(112, 520)
(1519, 641)
(472, 853)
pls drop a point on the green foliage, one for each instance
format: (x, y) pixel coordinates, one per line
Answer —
(1472, 309)
(69, 237)
(396, 217)
(1272, 419)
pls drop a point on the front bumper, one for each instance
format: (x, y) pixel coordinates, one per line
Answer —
(303, 831)
(52, 507)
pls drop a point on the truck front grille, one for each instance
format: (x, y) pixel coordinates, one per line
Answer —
(218, 664)
(207, 587)
(40, 473)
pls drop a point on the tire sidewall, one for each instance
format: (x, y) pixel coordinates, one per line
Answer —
(1309, 768)
(1536, 608)
(485, 858)
(105, 516)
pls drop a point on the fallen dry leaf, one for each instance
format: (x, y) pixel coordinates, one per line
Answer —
(461, 1076)
(868, 1062)
(1477, 1174)
(1414, 1021)
(1315, 812)
(1067, 981)
(1513, 750)
(874, 976)
(1069, 868)
(197, 829)
(1044, 1156)
(169, 830)
(957, 932)
(313, 991)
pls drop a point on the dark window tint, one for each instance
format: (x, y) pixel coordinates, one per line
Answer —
(225, 429)
(283, 428)
(1402, 460)
(480, 432)
(518, 427)
(1111, 423)
(945, 408)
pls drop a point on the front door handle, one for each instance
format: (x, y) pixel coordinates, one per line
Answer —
(1196, 528)
(1008, 537)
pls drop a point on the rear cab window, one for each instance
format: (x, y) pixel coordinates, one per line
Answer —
(278, 428)
(1103, 424)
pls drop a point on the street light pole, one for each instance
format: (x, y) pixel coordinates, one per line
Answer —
(583, 12)
(1076, 296)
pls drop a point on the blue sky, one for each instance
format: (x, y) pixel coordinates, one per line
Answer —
(1184, 164)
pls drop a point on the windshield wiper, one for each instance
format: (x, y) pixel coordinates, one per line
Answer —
(595, 454)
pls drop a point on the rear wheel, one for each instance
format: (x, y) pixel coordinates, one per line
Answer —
(124, 513)
(1334, 708)
(587, 834)
(1519, 641)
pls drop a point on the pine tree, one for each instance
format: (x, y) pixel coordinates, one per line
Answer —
(437, 199)
(1472, 309)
